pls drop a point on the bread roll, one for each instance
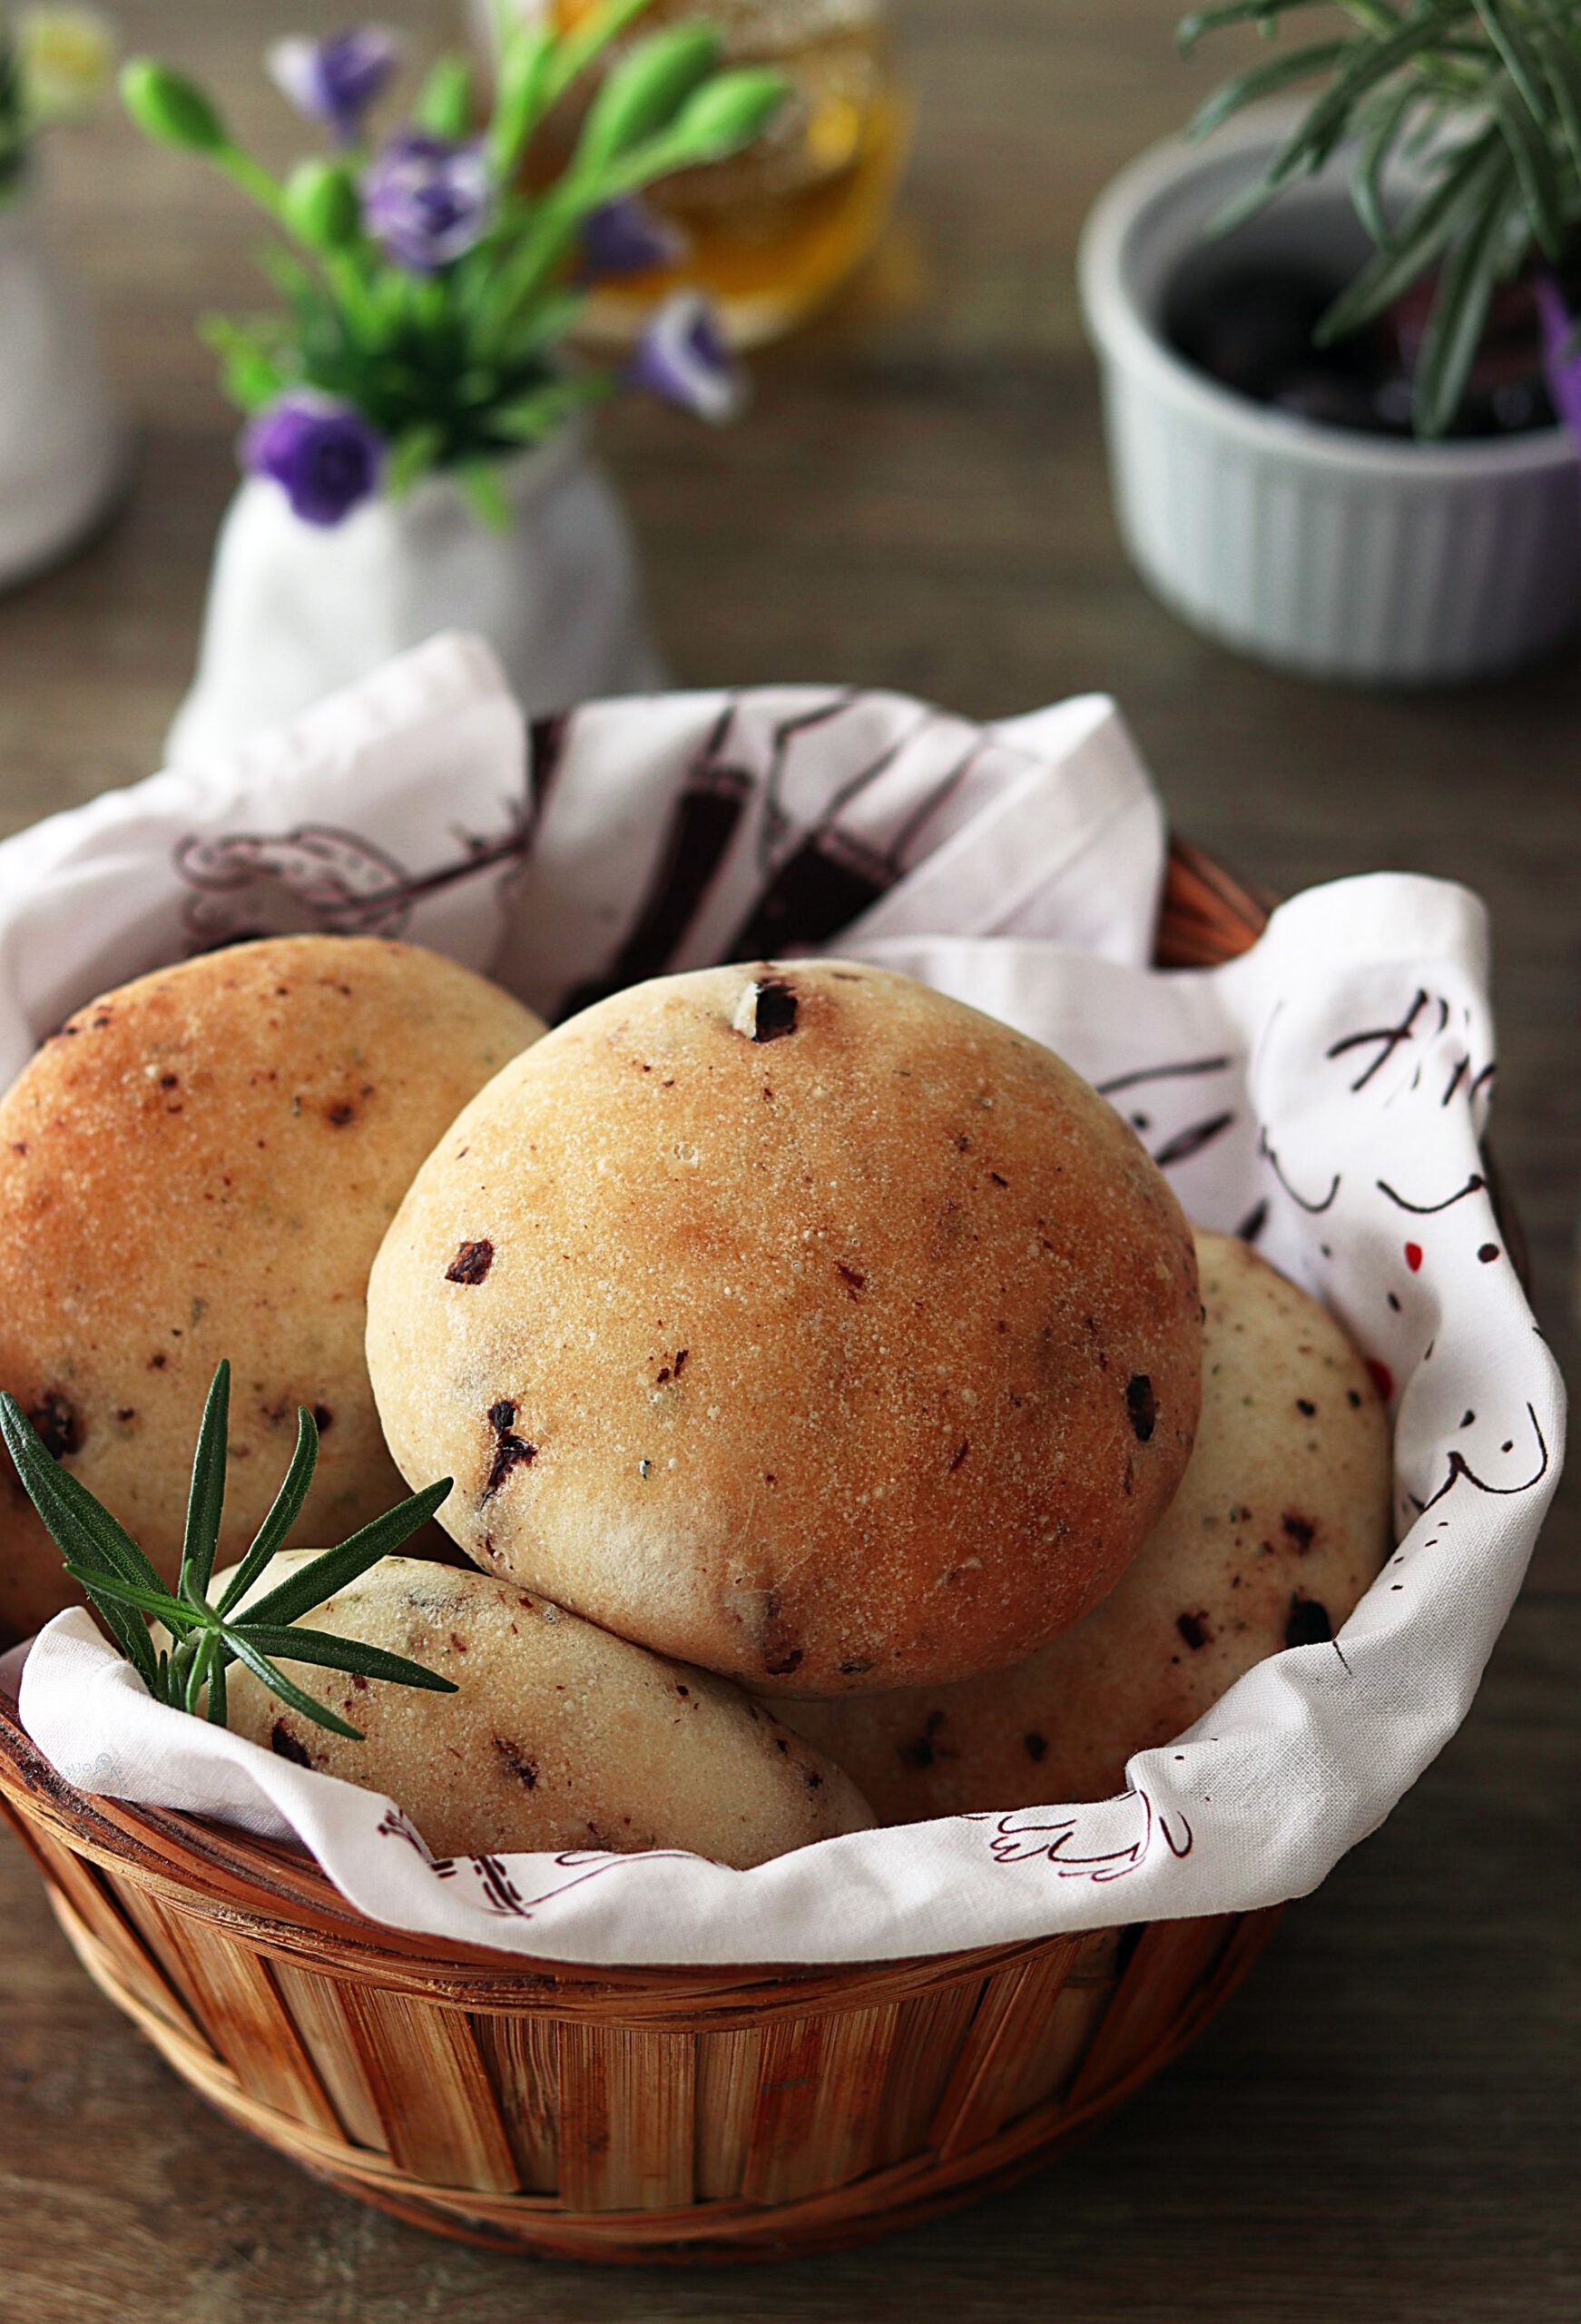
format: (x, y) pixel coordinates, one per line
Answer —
(203, 1164)
(797, 1322)
(1283, 1521)
(560, 1735)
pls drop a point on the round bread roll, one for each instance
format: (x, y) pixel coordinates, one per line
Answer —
(1283, 1521)
(798, 1322)
(203, 1164)
(559, 1736)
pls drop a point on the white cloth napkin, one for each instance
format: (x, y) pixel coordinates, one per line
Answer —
(1324, 1096)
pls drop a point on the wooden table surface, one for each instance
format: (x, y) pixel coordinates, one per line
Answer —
(1385, 2124)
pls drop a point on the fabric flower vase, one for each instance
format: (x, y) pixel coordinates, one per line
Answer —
(304, 599)
(60, 449)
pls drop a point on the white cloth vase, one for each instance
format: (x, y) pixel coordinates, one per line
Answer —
(60, 447)
(297, 611)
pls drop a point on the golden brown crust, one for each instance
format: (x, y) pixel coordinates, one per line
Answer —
(1281, 1522)
(832, 1334)
(201, 1164)
(558, 1736)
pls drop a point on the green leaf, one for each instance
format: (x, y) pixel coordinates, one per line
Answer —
(520, 80)
(249, 375)
(547, 321)
(129, 1632)
(284, 1512)
(1534, 167)
(414, 455)
(480, 482)
(310, 1584)
(178, 1615)
(78, 1523)
(328, 1649)
(216, 1705)
(206, 1499)
(197, 1675)
(1562, 70)
(1264, 81)
(533, 417)
(1520, 60)
(444, 105)
(279, 1684)
(1455, 326)
(1466, 182)
(644, 91)
(1374, 15)
(574, 51)
(1387, 118)
(1371, 62)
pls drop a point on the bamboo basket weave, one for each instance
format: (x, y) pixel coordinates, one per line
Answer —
(625, 2114)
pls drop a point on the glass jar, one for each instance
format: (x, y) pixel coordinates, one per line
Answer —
(772, 233)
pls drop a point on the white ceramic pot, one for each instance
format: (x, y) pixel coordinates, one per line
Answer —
(60, 452)
(1320, 550)
(295, 611)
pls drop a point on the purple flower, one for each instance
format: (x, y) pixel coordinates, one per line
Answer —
(682, 357)
(335, 80)
(323, 455)
(1561, 356)
(626, 238)
(426, 199)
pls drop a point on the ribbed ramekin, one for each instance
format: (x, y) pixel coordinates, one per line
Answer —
(1334, 553)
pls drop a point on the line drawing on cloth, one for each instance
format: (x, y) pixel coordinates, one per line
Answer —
(1475, 1185)
(1458, 1467)
(1014, 1842)
(500, 1894)
(1313, 1208)
(1190, 1066)
(1388, 1036)
(318, 880)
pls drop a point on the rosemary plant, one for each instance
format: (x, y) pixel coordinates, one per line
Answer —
(1481, 100)
(127, 1593)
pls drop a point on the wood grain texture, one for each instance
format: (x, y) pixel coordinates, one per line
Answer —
(1385, 2124)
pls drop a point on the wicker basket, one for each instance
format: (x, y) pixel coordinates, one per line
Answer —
(634, 2114)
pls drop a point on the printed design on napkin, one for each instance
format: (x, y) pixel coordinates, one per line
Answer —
(1188, 1139)
(318, 880)
(1020, 1838)
(773, 821)
(1394, 1226)
(497, 1890)
(831, 803)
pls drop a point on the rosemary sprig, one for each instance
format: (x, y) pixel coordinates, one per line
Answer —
(127, 1593)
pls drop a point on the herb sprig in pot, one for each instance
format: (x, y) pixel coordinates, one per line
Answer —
(1481, 102)
(204, 1638)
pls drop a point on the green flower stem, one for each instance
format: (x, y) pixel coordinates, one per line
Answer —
(574, 197)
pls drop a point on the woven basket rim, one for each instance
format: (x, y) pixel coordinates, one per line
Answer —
(291, 1905)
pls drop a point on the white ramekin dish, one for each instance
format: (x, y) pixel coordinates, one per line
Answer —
(1322, 550)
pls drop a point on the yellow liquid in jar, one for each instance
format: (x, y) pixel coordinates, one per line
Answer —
(773, 233)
